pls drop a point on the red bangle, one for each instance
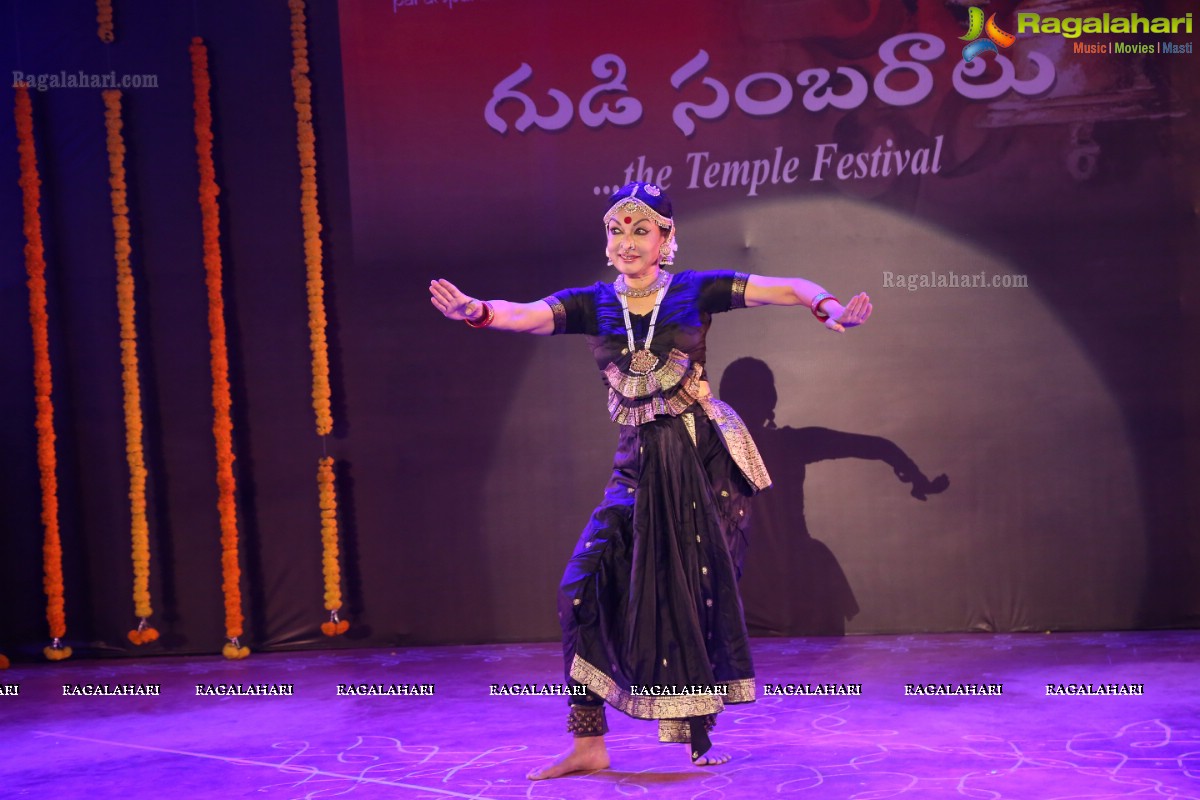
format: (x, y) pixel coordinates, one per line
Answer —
(486, 319)
(815, 307)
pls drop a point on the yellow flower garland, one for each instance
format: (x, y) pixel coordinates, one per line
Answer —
(139, 528)
(329, 549)
(35, 265)
(222, 422)
(311, 218)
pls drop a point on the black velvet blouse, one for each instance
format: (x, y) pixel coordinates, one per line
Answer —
(683, 320)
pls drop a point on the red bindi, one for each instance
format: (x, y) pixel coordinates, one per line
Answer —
(628, 220)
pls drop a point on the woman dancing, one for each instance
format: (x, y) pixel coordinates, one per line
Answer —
(651, 618)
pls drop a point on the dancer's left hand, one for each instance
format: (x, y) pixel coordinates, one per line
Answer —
(852, 315)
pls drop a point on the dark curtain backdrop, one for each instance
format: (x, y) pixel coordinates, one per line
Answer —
(991, 459)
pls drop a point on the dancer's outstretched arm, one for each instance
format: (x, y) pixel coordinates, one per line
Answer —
(766, 291)
(535, 317)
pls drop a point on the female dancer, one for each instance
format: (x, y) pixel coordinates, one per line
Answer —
(649, 607)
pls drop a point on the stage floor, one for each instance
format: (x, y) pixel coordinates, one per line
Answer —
(462, 741)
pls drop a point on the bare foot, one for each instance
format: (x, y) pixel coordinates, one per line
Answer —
(712, 758)
(587, 754)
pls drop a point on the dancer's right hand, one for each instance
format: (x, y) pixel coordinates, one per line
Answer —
(453, 304)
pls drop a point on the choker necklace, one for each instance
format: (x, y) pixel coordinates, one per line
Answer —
(643, 361)
(663, 278)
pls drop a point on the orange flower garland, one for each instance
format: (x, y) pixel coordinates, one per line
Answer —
(35, 265)
(222, 423)
(104, 18)
(310, 217)
(306, 144)
(140, 529)
(329, 542)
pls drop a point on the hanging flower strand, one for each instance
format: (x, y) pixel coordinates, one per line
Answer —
(104, 21)
(329, 549)
(139, 528)
(311, 219)
(35, 265)
(222, 422)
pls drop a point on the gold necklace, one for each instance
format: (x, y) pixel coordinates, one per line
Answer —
(621, 288)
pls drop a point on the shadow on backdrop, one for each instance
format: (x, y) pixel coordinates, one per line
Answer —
(792, 584)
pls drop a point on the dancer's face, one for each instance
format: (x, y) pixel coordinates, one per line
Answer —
(634, 242)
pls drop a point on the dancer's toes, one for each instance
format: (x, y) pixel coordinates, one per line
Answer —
(711, 759)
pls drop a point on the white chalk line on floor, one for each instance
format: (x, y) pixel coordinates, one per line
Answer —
(253, 763)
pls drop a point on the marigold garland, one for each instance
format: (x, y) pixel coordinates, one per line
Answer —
(222, 422)
(35, 265)
(329, 548)
(139, 528)
(310, 217)
(306, 145)
(104, 19)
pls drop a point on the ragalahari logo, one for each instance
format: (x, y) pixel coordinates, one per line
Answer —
(977, 28)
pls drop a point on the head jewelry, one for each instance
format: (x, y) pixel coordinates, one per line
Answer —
(648, 200)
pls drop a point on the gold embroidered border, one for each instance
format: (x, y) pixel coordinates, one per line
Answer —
(738, 441)
(738, 297)
(680, 730)
(689, 422)
(644, 706)
(651, 408)
(559, 311)
(674, 730)
(740, 691)
(660, 380)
